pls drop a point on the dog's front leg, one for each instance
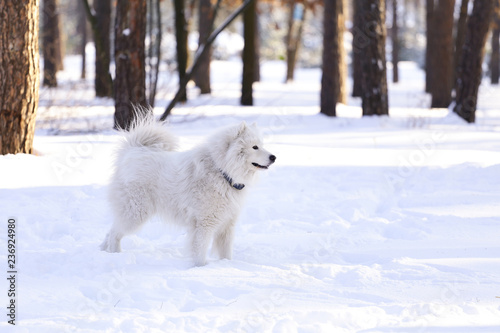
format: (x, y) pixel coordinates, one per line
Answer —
(224, 242)
(202, 237)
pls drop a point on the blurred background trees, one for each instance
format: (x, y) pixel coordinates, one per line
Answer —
(445, 37)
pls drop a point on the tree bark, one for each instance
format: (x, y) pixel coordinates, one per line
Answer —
(103, 82)
(130, 82)
(469, 71)
(495, 47)
(459, 37)
(442, 55)
(51, 42)
(395, 42)
(331, 79)
(359, 41)
(249, 21)
(181, 35)
(19, 75)
(202, 74)
(429, 49)
(82, 29)
(297, 16)
(373, 63)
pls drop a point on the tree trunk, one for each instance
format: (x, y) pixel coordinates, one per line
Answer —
(359, 42)
(459, 38)
(429, 49)
(495, 47)
(181, 35)
(19, 75)
(297, 16)
(469, 71)
(249, 21)
(154, 50)
(103, 82)
(130, 82)
(51, 45)
(256, 47)
(202, 74)
(330, 79)
(373, 63)
(442, 56)
(395, 42)
(342, 10)
(82, 30)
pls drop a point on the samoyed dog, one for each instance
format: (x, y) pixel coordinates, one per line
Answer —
(202, 189)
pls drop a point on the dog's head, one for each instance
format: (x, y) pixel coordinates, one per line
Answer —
(241, 151)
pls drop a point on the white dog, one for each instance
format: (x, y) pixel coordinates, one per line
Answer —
(202, 188)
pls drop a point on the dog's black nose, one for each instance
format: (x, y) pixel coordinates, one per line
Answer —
(272, 158)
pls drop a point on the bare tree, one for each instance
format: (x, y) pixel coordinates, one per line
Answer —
(469, 71)
(333, 73)
(296, 18)
(181, 37)
(51, 42)
(100, 51)
(19, 75)
(249, 23)
(103, 81)
(395, 42)
(429, 49)
(82, 30)
(130, 81)
(459, 37)
(359, 41)
(495, 46)
(374, 71)
(205, 25)
(442, 55)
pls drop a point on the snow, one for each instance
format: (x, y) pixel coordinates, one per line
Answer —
(374, 224)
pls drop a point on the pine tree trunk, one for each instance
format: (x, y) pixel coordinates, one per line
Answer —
(202, 74)
(103, 81)
(330, 79)
(342, 93)
(495, 47)
(469, 71)
(429, 49)
(297, 15)
(82, 30)
(130, 82)
(373, 63)
(249, 21)
(51, 45)
(181, 35)
(19, 74)
(395, 42)
(459, 37)
(256, 48)
(442, 55)
(359, 41)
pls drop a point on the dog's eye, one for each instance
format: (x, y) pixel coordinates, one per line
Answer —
(255, 147)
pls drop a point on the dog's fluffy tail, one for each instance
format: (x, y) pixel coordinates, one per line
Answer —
(147, 132)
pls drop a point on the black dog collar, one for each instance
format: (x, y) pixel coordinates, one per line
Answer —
(230, 181)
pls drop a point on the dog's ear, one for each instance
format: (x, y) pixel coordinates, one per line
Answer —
(254, 125)
(242, 128)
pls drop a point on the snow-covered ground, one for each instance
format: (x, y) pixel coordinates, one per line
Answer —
(377, 224)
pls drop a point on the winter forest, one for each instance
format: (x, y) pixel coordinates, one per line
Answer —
(380, 214)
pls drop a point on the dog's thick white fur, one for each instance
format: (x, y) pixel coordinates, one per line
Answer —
(201, 189)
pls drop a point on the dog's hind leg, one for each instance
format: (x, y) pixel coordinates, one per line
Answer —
(111, 242)
(131, 212)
